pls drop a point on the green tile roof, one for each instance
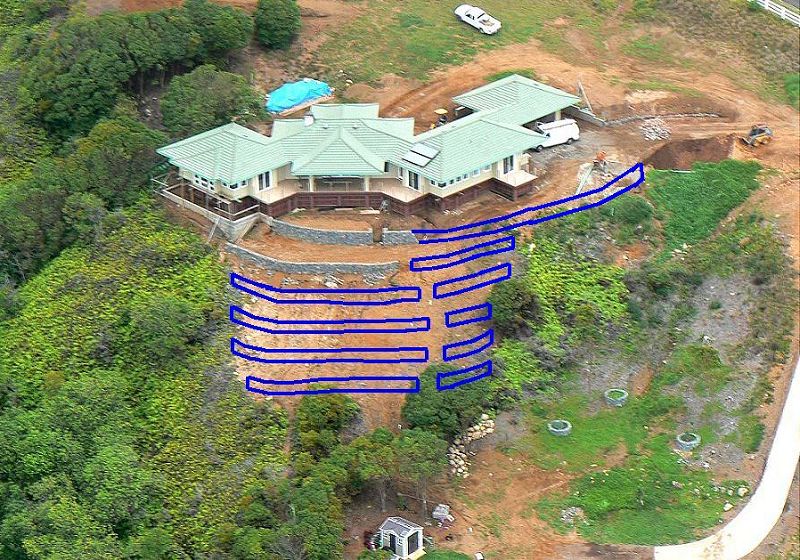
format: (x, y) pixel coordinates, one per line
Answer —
(227, 153)
(517, 99)
(469, 143)
(351, 139)
(340, 153)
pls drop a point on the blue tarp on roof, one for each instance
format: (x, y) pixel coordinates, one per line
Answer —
(296, 93)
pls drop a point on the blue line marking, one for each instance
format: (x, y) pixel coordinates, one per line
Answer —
(506, 275)
(510, 241)
(237, 281)
(488, 335)
(342, 360)
(448, 315)
(638, 167)
(487, 365)
(249, 379)
(402, 328)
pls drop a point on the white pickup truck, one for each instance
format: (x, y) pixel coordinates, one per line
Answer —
(478, 19)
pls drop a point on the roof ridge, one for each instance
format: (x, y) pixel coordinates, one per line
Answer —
(358, 148)
(454, 125)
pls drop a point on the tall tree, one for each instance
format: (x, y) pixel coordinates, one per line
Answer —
(319, 421)
(421, 456)
(277, 22)
(113, 161)
(207, 97)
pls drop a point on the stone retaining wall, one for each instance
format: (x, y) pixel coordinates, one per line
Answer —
(320, 268)
(389, 237)
(324, 236)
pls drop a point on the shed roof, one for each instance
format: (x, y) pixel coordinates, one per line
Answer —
(399, 526)
(517, 99)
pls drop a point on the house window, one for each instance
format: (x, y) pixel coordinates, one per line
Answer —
(508, 164)
(476, 172)
(386, 167)
(486, 167)
(413, 180)
(263, 181)
(203, 182)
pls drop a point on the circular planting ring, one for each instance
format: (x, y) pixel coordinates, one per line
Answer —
(616, 397)
(559, 427)
(688, 440)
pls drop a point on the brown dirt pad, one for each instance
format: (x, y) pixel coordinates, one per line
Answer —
(681, 154)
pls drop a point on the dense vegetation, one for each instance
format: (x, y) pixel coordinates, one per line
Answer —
(277, 22)
(121, 434)
(207, 97)
(77, 74)
(66, 198)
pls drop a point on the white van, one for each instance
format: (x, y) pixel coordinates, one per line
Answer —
(564, 131)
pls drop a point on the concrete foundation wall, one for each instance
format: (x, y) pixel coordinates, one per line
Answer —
(287, 267)
(324, 236)
(389, 237)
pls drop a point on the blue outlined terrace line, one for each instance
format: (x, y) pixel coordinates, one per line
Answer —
(485, 339)
(484, 370)
(352, 384)
(327, 296)
(467, 254)
(244, 318)
(448, 233)
(486, 277)
(382, 355)
(485, 314)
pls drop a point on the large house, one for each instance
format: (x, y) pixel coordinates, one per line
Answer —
(347, 155)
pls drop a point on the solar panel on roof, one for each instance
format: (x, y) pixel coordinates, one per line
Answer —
(416, 159)
(425, 150)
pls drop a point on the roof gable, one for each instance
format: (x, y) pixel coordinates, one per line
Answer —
(517, 99)
(332, 111)
(339, 153)
(470, 143)
(227, 153)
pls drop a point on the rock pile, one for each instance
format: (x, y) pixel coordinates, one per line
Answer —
(457, 454)
(655, 129)
(570, 514)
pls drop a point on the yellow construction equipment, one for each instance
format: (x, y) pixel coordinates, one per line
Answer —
(759, 134)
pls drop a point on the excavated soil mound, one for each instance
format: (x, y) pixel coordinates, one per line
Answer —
(681, 154)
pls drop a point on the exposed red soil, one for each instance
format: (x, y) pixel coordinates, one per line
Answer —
(681, 154)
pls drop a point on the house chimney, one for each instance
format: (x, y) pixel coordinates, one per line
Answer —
(308, 119)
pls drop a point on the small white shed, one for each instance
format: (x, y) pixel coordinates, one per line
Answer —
(401, 537)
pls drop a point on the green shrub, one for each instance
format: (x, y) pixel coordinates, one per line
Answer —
(701, 364)
(445, 413)
(514, 307)
(576, 297)
(320, 419)
(643, 10)
(277, 22)
(791, 84)
(691, 205)
(518, 368)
